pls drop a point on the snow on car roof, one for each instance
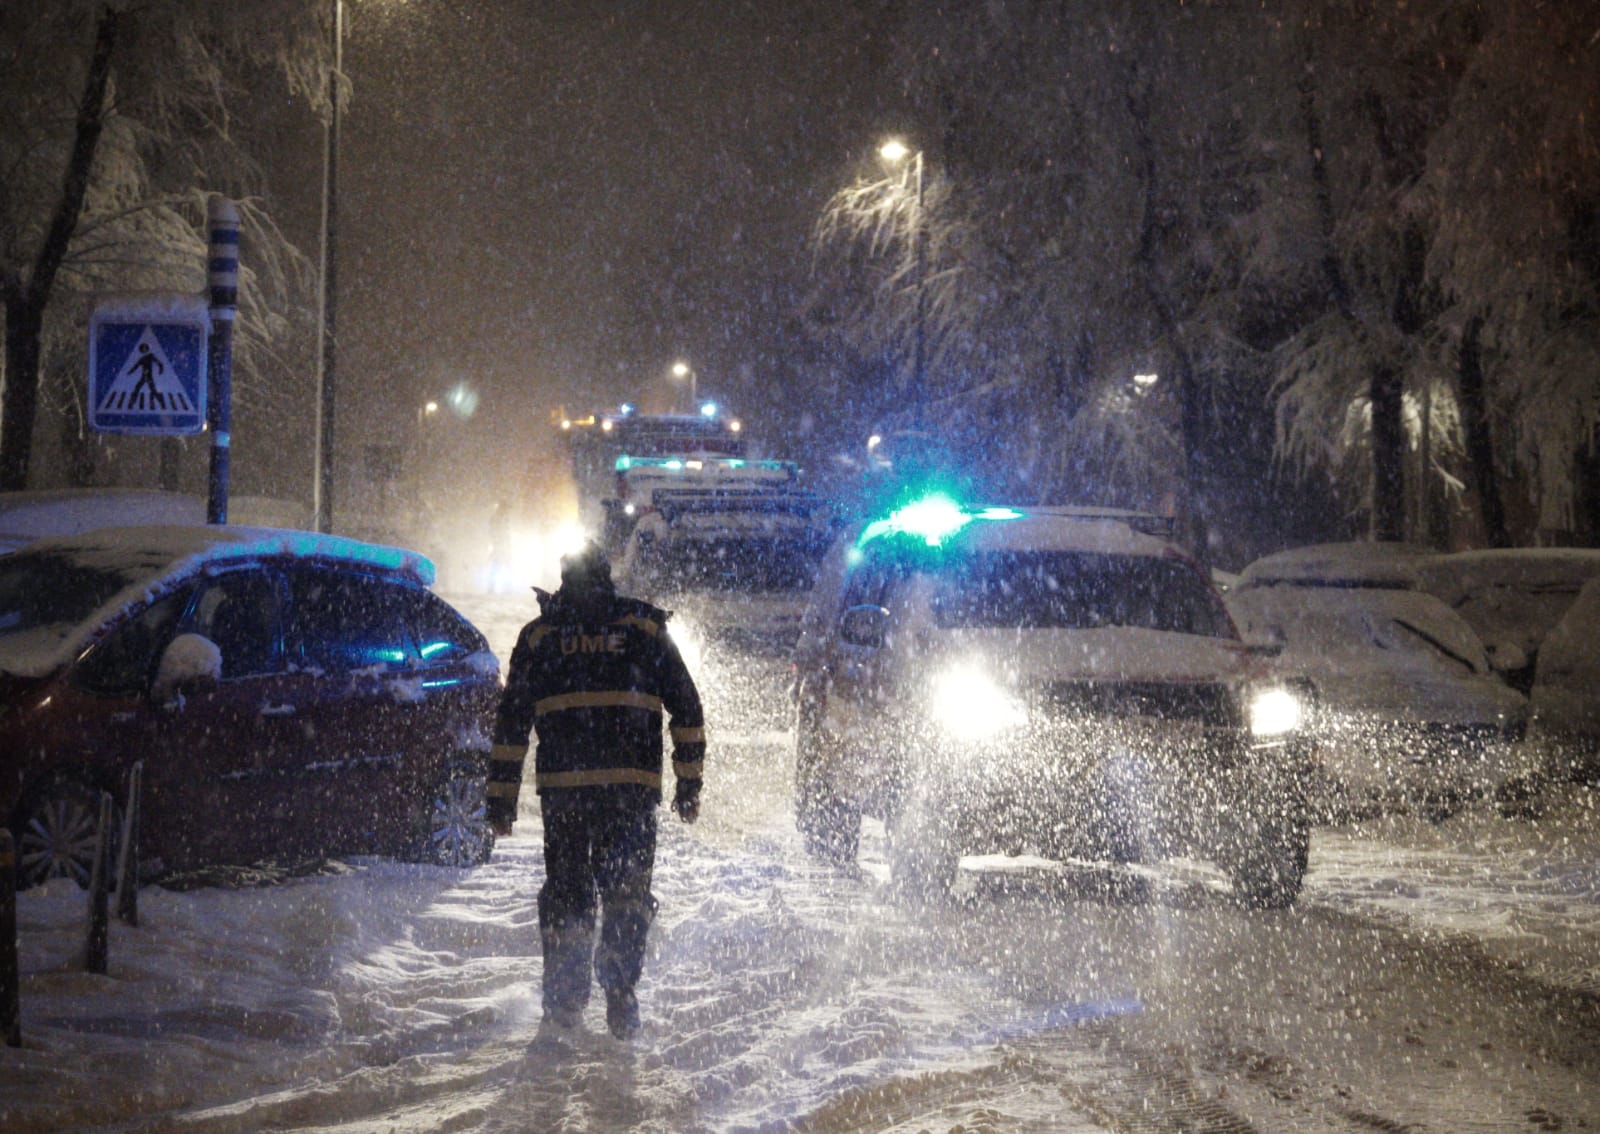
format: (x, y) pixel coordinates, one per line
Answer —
(34, 514)
(1004, 528)
(1456, 575)
(1044, 531)
(144, 556)
(1361, 563)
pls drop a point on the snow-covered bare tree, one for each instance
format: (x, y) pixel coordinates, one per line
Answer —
(1366, 217)
(117, 118)
(1515, 176)
(1081, 235)
(1453, 192)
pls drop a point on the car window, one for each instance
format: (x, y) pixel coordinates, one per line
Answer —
(1077, 590)
(869, 584)
(728, 563)
(441, 634)
(240, 612)
(346, 620)
(125, 661)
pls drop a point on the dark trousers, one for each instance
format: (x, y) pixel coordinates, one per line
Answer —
(599, 849)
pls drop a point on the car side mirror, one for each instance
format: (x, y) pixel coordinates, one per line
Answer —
(1267, 643)
(865, 626)
(191, 663)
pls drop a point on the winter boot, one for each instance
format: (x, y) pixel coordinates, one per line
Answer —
(567, 1016)
(565, 983)
(622, 1012)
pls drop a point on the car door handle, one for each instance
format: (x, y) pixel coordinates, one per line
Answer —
(277, 710)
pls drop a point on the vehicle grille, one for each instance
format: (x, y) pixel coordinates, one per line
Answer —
(1208, 703)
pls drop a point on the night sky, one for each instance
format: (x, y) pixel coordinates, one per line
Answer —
(555, 203)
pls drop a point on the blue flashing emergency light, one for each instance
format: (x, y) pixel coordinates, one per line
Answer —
(626, 408)
(932, 519)
(709, 410)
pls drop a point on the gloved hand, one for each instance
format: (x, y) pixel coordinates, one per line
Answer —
(686, 800)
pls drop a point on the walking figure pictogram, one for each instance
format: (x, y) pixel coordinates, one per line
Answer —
(148, 365)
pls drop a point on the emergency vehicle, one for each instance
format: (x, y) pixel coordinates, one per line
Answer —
(621, 459)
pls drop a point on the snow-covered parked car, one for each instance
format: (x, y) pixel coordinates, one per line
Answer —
(1405, 709)
(735, 571)
(1566, 689)
(1050, 680)
(1513, 597)
(288, 693)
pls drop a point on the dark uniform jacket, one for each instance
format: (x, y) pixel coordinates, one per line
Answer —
(592, 675)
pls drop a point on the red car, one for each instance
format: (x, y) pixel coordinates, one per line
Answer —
(289, 694)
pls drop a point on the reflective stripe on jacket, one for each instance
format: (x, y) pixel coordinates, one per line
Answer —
(592, 679)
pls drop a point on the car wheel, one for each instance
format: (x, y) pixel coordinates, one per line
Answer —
(1270, 870)
(455, 819)
(56, 833)
(829, 824)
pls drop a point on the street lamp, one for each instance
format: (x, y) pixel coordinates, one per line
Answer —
(896, 152)
(681, 370)
(322, 481)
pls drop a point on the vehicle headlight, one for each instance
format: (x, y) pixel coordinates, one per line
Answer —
(691, 647)
(971, 705)
(1275, 711)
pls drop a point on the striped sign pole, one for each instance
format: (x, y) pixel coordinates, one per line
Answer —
(10, 983)
(223, 279)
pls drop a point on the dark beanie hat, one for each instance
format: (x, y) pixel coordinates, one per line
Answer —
(588, 567)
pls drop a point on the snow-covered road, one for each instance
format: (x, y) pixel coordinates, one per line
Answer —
(1435, 977)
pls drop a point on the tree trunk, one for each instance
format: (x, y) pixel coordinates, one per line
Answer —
(20, 402)
(27, 299)
(1386, 392)
(1480, 440)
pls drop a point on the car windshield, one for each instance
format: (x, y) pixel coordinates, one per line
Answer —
(45, 589)
(1077, 590)
(741, 564)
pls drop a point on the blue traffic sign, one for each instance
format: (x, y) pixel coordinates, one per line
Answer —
(147, 365)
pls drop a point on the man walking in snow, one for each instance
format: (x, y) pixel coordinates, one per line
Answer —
(592, 676)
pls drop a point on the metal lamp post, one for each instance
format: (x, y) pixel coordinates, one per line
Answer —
(684, 370)
(322, 486)
(895, 152)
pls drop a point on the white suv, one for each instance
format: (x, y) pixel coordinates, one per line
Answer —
(1058, 680)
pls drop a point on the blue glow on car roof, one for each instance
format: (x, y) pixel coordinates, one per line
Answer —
(627, 461)
(932, 519)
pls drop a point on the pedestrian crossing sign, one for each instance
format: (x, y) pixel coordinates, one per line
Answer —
(147, 364)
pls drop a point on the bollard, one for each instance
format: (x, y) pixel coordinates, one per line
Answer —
(10, 984)
(128, 853)
(94, 953)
